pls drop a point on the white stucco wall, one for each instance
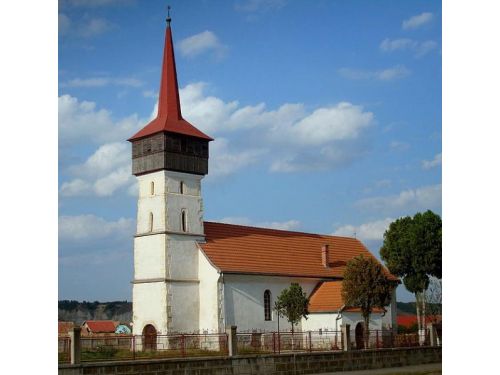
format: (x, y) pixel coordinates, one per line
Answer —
(244, 300)
(323, 321)
(184, 303)
(149, 307)
(150, 257)
(166, 284)
(209, 278)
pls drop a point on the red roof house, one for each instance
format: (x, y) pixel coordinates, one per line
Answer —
(93, 327)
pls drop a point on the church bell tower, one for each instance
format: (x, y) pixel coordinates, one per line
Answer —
(169, 159)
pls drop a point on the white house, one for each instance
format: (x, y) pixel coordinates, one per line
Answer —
(191, 275)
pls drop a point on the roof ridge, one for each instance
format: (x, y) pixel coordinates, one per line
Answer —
(282, 230)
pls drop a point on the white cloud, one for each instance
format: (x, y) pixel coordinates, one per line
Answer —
(395, 72)
(85, 27)
(370, 231)
(91, 227)
(81, 121)
(292, 138)
(103, 173)
(102, 81)
(205, 41)
(75, 187)
(417, 21)
(389, 74)
(419, 49)
(224, 161)
(428, 164)
(399, 146)
(285, 134)
(93, 27)
(423, 198)
(324, 125)
(209, 113)
(64, 24)
(282, 225)
(92, 240)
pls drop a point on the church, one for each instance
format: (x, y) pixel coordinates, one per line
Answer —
(196, 276)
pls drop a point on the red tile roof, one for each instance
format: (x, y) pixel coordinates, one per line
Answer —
(410, 320)
(64, 327)
(328, 298)
(101, 326)
(242, 249)
(169, 118)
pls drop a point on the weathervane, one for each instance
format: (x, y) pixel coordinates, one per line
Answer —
(168, 15)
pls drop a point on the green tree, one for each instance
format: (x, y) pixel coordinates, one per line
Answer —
(292, 304)
(365, 286)
(412, 250)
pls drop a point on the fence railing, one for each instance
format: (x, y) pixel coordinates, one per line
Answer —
(64, 349)
(121, 347)
(126, 347)
(278, 342)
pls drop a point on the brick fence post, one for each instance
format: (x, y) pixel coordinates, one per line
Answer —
(232, 343)
(74, 335)
(346, 335)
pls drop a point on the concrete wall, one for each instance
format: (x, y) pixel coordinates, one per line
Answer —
(284, 364)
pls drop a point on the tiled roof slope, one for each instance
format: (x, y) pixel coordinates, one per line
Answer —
(102, 326)
(64, 327)
(242, 249)
(328, 298)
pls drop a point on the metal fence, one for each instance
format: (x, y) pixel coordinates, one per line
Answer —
(279, 342)
(64, 349)
(120, 347)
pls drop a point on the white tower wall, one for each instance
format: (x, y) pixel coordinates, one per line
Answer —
(166, 284)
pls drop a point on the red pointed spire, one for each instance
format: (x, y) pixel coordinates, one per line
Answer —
(169, 117)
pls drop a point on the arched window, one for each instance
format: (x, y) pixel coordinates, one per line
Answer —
(183, 221)
(150, 221)
(267, 305)
(181, 187)
(152, 188)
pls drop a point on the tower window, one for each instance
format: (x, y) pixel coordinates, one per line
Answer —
(267, 305)
(183, 221)
(152, 188)
(150, 221)
(181, 187)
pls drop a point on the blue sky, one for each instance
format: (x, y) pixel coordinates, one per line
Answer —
(326, 115)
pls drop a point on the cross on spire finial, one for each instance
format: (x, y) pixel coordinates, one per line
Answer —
(168, 15)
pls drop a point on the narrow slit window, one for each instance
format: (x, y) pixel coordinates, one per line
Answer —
(267, 305)
(183, 221)
(150, 221)
(152, 188)
(181, 187)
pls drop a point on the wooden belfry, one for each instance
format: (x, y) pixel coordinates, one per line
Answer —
(169, 142)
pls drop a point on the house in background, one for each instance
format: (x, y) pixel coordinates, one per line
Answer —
(123, 329)
(64, 327)
(99, 327)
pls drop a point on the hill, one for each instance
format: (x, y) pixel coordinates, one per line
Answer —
(78, 312)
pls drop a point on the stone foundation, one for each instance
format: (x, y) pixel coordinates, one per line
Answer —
(283, 364)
